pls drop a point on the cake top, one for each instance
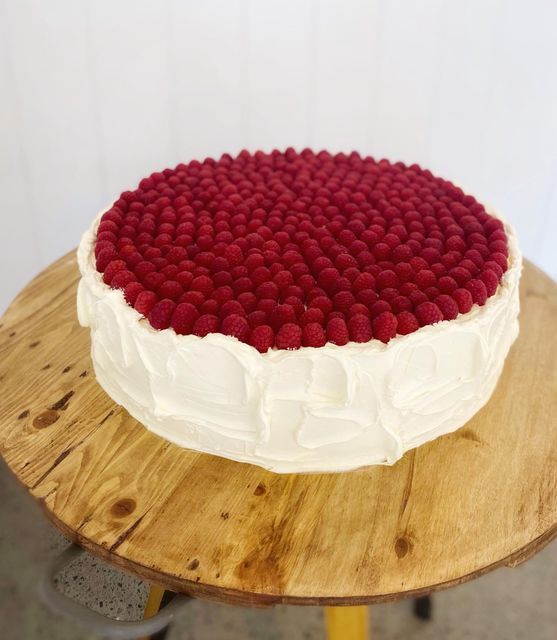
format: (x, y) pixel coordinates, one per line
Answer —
(286, 249)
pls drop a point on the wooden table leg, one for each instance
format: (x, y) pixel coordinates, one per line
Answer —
(153, 604)
(347, 623)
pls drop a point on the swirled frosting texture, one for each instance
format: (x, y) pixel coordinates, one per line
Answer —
(315, 409)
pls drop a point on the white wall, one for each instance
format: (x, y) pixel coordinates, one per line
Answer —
(96, 94)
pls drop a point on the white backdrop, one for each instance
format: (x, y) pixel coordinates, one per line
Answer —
(96, 94)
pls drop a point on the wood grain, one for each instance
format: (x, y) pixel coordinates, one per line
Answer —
(449, 511)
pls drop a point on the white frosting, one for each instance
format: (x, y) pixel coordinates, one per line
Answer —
(315, 409)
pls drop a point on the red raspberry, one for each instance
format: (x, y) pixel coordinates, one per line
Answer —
(312, 315)
(460, 275)
(257, 318)
(343, 300)
(131, 291)
(184, 318)
(104, 257)
(359, 328)
(387, 279)
(490, 279)
(145, 301)
(323, 303)
(282, 314)
(237, 326)
(379, 307)
(248, 301)
(337, 331)
(161, 314)
(446, 284)
(478, 290)
(448, 306)
(267, 290)
(406, 323)
(122, 278)
(153, 280)
(401, 303)
(170, 289)
(234, 255)
(367, 297)
(193, 297)
(203, 284)
(289, 336)
(262, 338)
(464, 300)
(328, 277)
(428, 313)
(384, 326)
(501, 260)
(206, 324)
(425, 278)
(232, 307)
(112, 269)
(282, 279)
(313, 335)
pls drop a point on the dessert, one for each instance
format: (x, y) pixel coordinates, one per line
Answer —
(299, 311)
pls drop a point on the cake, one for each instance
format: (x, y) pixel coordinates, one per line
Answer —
(304, 312)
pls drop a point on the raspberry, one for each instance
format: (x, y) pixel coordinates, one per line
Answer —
(384, 326)
(323, 303)
(280, 315)
(312, 315)
(267, 290)
(460, 275)
(184, 318)
(448, 306)
(343, 300)
(313, 335)
(359, 328)
(145, 301)
(428, 313)
(406, 323)
(257, 318)
(206, 324)
(425, 278)
(248, 301)
(112, 269)
(379, 307)
(262, 337)
(337, 331)
(131, 291)
(328, 277)
(153, 280)
(478, 290)
(490, 279)
(289, 336)
(235, 325)
(446, 284)
(387, 279)
(121, 279)
(161, 314)
(464, 300)
(234, 255)
(232, 307)
(401, 303)
(170, 289)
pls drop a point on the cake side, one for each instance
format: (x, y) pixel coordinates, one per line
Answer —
(331, 408)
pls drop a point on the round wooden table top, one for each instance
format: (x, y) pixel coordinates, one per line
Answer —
(480, 498)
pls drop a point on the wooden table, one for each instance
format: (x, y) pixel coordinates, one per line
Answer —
(481, 498)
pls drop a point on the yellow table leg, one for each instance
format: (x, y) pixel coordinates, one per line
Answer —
(153, 602)
(347, 623)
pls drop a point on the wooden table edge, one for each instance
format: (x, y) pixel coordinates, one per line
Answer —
(257, 599)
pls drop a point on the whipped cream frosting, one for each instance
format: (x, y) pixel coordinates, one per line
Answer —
(332, 408)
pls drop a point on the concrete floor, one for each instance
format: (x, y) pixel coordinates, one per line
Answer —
(513, 604)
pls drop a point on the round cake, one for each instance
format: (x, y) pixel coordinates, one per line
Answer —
(305, 312)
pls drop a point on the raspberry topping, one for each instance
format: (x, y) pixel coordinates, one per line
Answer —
(288, 249)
